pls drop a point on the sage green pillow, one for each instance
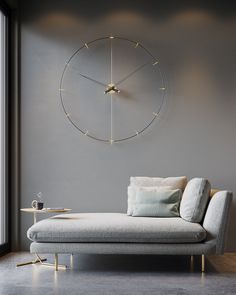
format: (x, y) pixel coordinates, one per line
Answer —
(153, 203)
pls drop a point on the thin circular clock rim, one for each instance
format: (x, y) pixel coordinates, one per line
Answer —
(155, 113)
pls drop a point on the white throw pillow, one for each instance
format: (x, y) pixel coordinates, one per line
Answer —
(195, 199)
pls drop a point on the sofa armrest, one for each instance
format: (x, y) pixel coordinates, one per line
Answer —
(216, 219)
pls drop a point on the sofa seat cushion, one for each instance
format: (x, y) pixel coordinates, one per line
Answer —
(115, 227)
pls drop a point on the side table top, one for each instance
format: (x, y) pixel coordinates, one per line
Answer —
(45, 210)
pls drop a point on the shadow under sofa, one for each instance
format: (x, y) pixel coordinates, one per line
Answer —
(117, 233)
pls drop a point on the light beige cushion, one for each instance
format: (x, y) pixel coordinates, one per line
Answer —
(195, 199)
(174, 182)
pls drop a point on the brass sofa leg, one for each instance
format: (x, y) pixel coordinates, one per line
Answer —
(56, 262)
(191, 262)
(203, 263)
(72, 260)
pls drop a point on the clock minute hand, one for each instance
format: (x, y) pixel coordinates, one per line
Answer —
(93, 80)
(132, 73)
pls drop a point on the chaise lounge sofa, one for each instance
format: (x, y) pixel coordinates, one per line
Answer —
(117, 233)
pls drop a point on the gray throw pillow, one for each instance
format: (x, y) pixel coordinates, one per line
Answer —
(154, 203)
(195, 199)
(132, 191)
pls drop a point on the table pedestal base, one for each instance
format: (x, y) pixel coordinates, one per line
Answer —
(37, 260)
(40, 260)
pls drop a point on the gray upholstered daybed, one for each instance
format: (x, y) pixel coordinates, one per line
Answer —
(117, 233)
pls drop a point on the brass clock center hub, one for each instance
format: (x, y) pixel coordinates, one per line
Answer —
(111, 88)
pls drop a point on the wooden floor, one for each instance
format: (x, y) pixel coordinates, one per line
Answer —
(225, 263)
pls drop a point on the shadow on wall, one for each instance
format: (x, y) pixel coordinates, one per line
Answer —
(69, 16)
(88, 9)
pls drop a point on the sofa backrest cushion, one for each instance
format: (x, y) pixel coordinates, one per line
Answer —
(157, 203)
(174, 182)
(195, 199)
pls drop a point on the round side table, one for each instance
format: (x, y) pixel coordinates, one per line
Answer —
(35, 212)
(44, 210)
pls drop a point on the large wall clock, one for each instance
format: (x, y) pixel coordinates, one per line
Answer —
(112, 89)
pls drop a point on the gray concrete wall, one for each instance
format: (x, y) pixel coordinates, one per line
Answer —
(195, 135)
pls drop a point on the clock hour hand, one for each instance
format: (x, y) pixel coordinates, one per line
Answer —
(132, 73)
(93, 80)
